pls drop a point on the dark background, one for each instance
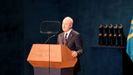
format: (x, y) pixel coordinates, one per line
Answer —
(20, 28)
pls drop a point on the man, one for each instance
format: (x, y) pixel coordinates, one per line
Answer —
(71, 39)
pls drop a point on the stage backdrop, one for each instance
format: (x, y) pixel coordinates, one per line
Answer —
(20, 28)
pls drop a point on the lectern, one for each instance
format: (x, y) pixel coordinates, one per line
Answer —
(51, 59)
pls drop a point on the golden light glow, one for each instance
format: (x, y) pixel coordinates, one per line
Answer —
(130, 36)
(132, 22)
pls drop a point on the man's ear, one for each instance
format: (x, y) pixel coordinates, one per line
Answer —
(71, 25)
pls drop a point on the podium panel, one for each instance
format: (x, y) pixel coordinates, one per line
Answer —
(51, 58)
(52, 71)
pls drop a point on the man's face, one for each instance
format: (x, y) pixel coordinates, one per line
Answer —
(66, 25)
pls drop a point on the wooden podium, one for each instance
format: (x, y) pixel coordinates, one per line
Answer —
(51, 59)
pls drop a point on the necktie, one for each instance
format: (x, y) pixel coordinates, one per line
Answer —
(65, 39)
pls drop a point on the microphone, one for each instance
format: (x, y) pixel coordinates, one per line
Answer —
(49, 37)
(49, 32)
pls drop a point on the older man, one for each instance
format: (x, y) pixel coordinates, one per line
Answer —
(71, 39)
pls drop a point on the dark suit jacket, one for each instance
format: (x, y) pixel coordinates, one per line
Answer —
(74, 41)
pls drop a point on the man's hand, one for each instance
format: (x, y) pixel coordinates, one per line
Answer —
(74, 54)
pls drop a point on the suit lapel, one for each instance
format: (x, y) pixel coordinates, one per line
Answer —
(62, 38)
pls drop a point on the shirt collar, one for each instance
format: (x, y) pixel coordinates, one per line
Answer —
(68, 32)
